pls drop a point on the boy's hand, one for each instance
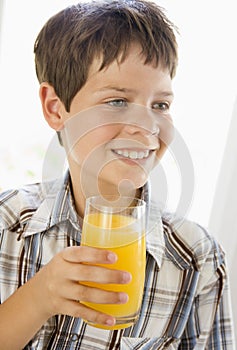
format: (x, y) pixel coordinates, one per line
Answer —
(61, 291)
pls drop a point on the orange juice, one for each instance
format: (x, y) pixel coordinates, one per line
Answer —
(125, 237)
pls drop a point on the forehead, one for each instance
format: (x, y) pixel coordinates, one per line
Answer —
(133, 55)
(130, 68)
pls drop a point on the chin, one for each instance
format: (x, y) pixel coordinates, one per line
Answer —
(130, 185)
(122, 181)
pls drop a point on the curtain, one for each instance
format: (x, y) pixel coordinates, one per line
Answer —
(223, 217)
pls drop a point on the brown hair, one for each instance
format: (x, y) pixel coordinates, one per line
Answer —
(70, 40)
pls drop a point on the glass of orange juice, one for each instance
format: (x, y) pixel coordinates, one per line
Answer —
(119, 226)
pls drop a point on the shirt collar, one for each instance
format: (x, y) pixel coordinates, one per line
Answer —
(155, 241)
(58, 207)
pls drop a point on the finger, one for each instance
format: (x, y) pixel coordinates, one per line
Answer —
(85, 293)
(78, 310)
(85, 254)
(98, 274)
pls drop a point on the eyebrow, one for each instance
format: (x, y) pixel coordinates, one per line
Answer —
(168, 93)
(115, 88)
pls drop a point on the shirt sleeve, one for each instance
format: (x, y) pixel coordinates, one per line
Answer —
(210, 322)
(221, 334)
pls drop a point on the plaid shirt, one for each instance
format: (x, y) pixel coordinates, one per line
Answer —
(186, 302)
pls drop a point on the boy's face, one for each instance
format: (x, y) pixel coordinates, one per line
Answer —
(118, 125)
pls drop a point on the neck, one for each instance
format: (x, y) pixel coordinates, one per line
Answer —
(80, 193)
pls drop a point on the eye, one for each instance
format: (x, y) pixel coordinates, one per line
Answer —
(119, 102)
(162, 106)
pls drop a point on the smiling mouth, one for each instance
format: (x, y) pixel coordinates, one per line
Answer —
(133, 154)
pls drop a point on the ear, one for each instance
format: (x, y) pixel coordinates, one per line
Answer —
(52, 106)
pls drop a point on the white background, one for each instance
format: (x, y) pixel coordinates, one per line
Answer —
(205, 90)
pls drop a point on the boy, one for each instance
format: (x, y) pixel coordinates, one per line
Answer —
(105, 70)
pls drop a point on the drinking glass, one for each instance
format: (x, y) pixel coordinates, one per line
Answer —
(119, 226)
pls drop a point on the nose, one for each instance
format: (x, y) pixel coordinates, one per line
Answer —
(134, 128)
(140, 119)
(147, 121)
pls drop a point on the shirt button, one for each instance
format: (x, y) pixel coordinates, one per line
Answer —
(74, 337)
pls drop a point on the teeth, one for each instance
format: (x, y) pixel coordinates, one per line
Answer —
(133, 154)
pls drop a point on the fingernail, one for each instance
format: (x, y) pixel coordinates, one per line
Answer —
(123, 298)
(110, 322)
(112, 257)
(126, 277)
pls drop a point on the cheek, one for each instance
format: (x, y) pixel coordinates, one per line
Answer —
(161, 151)
(92, 145)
